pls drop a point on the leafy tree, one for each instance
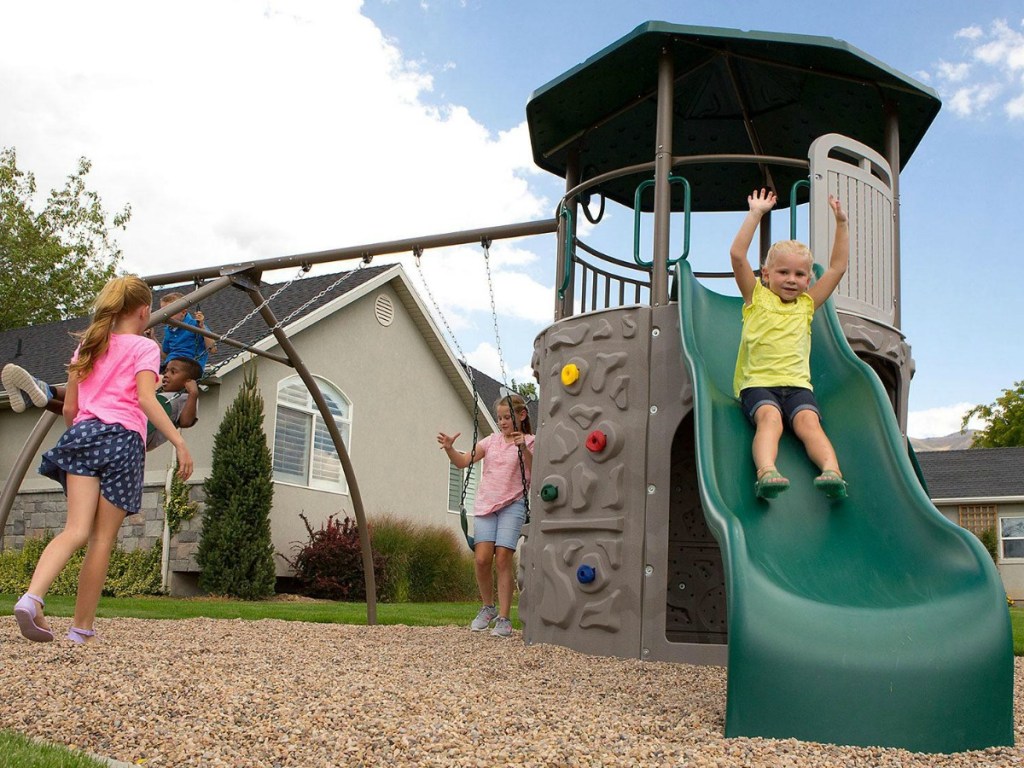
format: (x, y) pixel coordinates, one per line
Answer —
(52, 263)
(235, 551)
(1004, 420)
(527, 389)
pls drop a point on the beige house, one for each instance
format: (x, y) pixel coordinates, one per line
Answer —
(982, 489)
(389, 376)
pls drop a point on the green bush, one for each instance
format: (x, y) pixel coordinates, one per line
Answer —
(422, 563)
(130, 574)
(991, 541)
(330, 564)
(235, 553)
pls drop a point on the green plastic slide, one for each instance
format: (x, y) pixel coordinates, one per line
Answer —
(867, 621)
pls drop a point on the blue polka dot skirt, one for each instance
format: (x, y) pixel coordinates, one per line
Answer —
(110, 452)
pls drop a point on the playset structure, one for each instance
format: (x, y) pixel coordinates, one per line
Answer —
(871, 621)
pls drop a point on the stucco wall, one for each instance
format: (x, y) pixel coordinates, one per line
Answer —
(401, 396)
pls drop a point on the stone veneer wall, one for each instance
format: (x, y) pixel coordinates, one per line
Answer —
(35, 513)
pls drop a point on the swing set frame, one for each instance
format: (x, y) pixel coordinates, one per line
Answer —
(247, 277)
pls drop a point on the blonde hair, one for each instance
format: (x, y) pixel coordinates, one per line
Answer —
(167, 298)
(120, 296)
(792, 247)
(515, 402)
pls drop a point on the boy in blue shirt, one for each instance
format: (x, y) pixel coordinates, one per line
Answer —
(179, 342)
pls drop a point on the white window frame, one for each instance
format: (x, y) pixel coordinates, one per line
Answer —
(317, 447)
(1002, 539)
(456, 478)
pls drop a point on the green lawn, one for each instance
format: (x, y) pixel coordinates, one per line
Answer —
(17, 751)
(319, 611)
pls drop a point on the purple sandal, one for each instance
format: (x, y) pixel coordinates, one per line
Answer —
(26, 612)
(80, 636)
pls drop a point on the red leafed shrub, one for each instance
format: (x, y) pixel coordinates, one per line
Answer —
(330, 564)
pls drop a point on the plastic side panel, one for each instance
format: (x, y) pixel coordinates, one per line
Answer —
(871, 621)
(862, 180)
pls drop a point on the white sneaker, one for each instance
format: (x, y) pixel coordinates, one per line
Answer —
(484, 618)
(20, 384)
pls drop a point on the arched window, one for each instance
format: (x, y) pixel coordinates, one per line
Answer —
(303, 451)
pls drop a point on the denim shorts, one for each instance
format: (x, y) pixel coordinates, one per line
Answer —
(503, 526)
(108, 451)
(789, 400)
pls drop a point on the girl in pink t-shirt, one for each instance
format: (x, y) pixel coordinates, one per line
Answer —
(500, 509)
(99, 460)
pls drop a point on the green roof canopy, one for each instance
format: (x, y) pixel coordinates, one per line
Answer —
(735, 93)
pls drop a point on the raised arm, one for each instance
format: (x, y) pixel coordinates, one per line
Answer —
(760, 202)
(189, 414)
(460, 459)
(145, 382)
(838, 261)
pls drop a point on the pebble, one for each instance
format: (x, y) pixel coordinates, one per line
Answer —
(204, 692)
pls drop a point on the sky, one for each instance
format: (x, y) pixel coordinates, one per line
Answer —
(251, 130)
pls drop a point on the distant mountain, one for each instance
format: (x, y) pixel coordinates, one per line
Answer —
(953, 442)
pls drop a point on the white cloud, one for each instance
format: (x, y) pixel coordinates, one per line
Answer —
(969, 33)
(974, 99)
(953, 73)
(261, 141)
(991, 70)
(941, 421)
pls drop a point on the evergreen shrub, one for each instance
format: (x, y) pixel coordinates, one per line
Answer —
(235, 553)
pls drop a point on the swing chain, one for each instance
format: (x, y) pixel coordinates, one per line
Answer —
(264, 303)
(494, 311)
(417, 252)
(345, 276)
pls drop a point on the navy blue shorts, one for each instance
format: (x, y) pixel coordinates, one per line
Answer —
(111, 452)
(789, 400)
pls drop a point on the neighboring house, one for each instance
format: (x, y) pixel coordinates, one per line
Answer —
(983, 489)
(391, 380)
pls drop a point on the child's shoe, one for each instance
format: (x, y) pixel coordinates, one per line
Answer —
(770, 483)
(22, 387)
(28, 612)
(502, 628)
(81, 636)
(484, 618)
(832, 483)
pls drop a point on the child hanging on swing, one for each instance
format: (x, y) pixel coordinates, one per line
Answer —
(178, 394)
(180, 342)
(773, 368)
(500, 508)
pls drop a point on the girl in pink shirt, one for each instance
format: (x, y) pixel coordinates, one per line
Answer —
(111, 391)
(500, 509)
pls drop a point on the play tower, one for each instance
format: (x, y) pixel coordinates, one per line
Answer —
(868, 621)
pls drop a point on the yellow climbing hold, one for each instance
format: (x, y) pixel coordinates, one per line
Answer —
(570, 375)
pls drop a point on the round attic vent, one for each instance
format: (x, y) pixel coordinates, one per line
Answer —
(384, 310)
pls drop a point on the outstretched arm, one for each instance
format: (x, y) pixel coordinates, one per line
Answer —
(838, 261)
(460, 459)
(760, 202)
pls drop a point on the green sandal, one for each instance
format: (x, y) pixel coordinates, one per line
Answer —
(770, 483)
(832, 483)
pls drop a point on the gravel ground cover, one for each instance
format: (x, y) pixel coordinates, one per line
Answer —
(203, 692)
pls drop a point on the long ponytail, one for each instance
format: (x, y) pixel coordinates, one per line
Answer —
(119, 296)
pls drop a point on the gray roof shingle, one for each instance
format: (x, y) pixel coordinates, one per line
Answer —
(974, 473)
(44, 350)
